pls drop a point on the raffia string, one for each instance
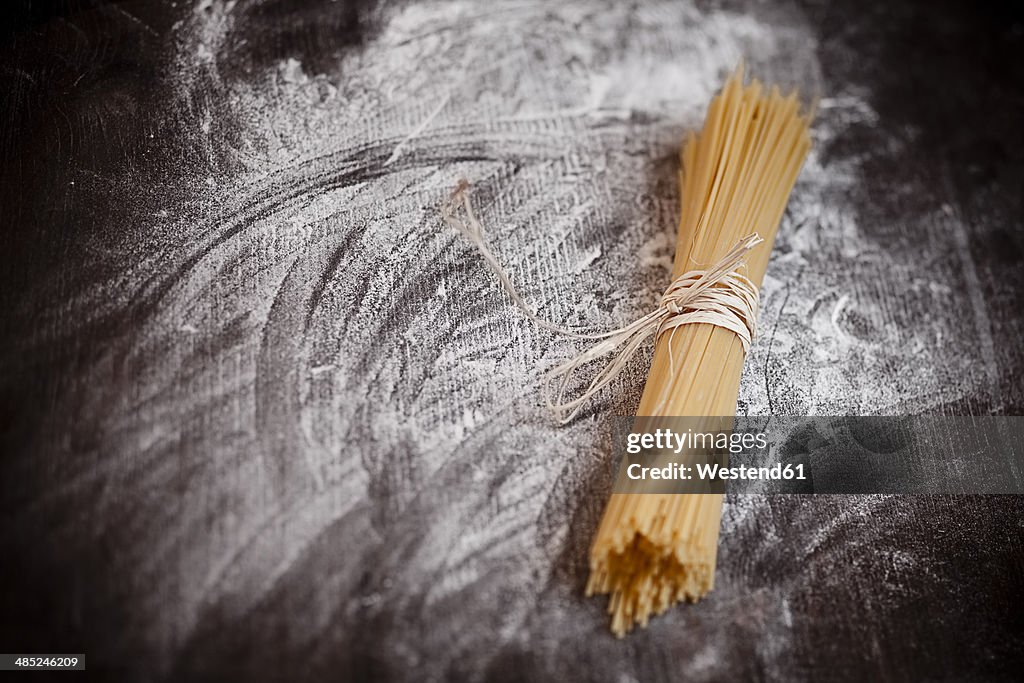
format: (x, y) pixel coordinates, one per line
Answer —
(719, 296)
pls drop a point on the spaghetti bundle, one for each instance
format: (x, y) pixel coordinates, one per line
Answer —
(653, 550)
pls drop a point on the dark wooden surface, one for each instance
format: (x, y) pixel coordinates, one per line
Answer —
(263, 418)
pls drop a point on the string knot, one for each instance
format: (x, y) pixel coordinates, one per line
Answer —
(719, 295)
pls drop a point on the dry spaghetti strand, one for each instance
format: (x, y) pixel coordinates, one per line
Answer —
(653, 550)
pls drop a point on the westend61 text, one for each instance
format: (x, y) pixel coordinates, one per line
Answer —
(715, 472)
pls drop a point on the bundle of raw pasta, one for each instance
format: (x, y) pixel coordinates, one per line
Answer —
(653, 550)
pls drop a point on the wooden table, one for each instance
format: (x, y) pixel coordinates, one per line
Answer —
(263, 417)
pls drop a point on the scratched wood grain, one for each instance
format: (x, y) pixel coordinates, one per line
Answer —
(264, 418)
